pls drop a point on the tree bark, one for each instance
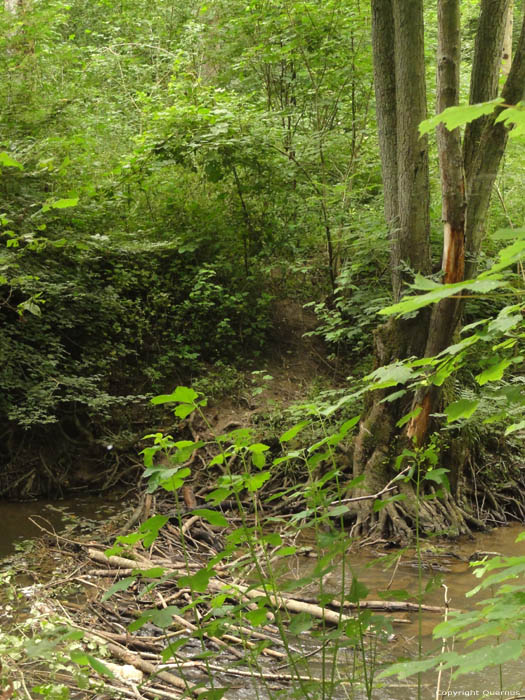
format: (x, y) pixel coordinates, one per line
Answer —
(445, 315)
(506, 57)
(385, 92)
(467, 177)
(485, 71)
(412, 151)
(485, 166)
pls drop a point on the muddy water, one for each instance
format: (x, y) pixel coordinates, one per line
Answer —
(19, 521)
(450, 566)
(16, 525)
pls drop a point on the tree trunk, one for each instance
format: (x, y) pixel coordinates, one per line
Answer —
(506, 56)
(385, 92)
(467, 177)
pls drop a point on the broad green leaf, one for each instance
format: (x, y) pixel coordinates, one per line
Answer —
(258, 447)
(272, 538)
(182, 394)
(198, 582)
(409, 668)
(301, 623)
(424, 283)
(439, 476)
(163, 617)
(121, 585)
(390, 375)
(494, 372)
(393, 397)
(413, 303)
(514, 119)
(79, 657)
(358, 591)
(154, 523)
(505, 234)
(452, 117)
(257, 617)
(99, 667)
(64, 203)
(285, 551)
(212, 516)
(9, 162)
(183, 410)
(292, 432)
(490, 655)
(258, 459)
(337, 510)
(380, 504)
(463, 408)
(253, 483)
(154, 572)
(514, 427)
(408, 416)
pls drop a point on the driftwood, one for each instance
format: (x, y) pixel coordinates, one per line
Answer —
(170, 675)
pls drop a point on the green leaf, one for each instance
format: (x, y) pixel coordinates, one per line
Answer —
(164, 616)
(408, 416)
(286, 551)
(463, 408)
(514, 427)
(505, 234)
(183, 410)
(301, 623)
(257, 617)
(154, 572)
(390, 375)
(99, 667)
(413, 303)
(253, 483)
(493, 373)
(212, 516)
(439, 476)
(258, 459)
(258, 447)
(182, 394)
(295, 430)
(358, 591)
(272, 538)
(338, 510)
(379, 504)
(197, 582)
(8, 162)
(452, 117)
(64, 203)
(79, 657)
(121, 585)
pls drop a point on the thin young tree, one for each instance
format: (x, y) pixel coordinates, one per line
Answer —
(468, 168)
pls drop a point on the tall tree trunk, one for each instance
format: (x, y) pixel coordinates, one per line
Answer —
(467, 177)
(485, 71)
(445, 315)
(408, 184)
(385, 92)
(506, 57)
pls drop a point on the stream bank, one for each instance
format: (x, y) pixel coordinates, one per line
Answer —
(212, 616)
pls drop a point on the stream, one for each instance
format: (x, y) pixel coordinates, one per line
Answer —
(17, 525)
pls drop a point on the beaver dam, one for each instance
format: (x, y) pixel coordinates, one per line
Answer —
(206, 604)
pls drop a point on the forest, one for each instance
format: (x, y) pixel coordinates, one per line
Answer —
(261, 294)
